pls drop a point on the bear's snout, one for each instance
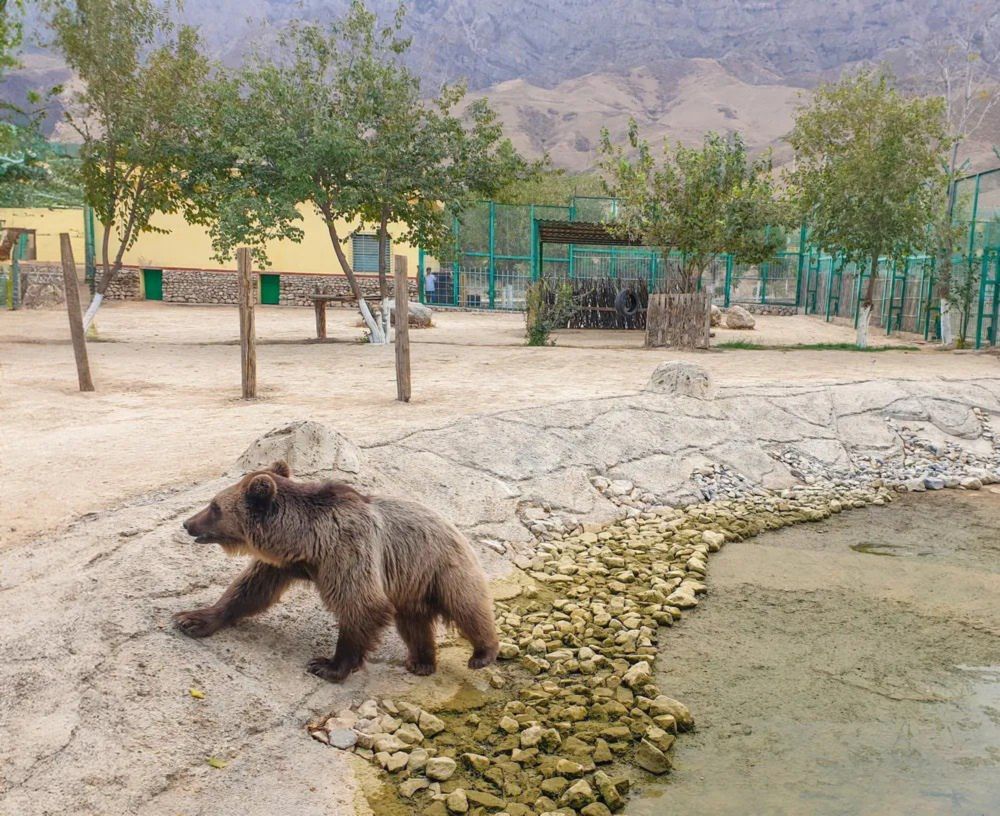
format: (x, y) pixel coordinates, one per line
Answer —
(192, 526)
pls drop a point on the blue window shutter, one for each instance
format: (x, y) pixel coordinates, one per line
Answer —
(364, 249)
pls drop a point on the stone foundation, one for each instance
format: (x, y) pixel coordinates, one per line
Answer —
(769, 309)
(195, 286)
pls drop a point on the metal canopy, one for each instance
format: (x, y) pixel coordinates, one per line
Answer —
(579, 232)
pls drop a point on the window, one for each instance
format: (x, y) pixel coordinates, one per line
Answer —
(364, 250)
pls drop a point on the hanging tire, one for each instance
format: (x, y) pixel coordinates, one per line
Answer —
(627, 303)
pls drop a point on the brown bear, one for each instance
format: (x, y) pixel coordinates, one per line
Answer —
(373, 560)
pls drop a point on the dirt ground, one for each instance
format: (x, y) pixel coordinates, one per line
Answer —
(846, 667)
(167, 411)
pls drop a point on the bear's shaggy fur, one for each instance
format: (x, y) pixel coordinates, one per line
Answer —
(372, 559)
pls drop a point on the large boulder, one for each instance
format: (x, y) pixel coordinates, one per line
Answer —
(686, 379)
(739, 318)
(309, 448)
(418, 315)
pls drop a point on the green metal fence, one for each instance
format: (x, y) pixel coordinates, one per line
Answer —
(494, 260)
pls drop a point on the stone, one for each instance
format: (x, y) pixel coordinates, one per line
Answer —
(310, 449)
(509, 724)
(555, 785)
(577, 795)
(418, 759)
(409, 734)
(476, 762)
(637, 675)
(418, 315)
(662, 704)
(685, 379)
(429, 724)
(715, 317)
(409, 787)
(739, 318)
(934, 483)
(343, 738)
(440, 769)
(531, 736)
(652, 759)
(457, 801)
(484, 799)
(567, 767)
(369, 708)
(970, 483)
(608, 791)
(388, 743)
(596, 809)
(396, 761)
(408, 712)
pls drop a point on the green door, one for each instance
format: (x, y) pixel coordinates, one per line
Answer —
(152, 283)
(270, 289)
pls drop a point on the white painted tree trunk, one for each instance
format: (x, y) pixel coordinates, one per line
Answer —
(95, 304)
(864, 319)
(373, 327)
(386, 320)
(947, 331)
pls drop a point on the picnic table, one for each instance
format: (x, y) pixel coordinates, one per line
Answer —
(319, 304)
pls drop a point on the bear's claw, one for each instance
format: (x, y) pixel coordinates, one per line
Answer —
(420, 669)
(330, 670)
(197, 623)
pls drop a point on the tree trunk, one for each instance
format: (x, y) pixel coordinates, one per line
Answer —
(947, 335)
(864, 318)
(383, 273)
(373, 327)
(72, 288)
(402, 331)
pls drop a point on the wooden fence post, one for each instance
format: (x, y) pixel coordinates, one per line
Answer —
(72, 288)
(248, 341)
(402, 303)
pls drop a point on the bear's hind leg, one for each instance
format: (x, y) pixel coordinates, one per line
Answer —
(258, 587)
(358, 635)
(417, 631)
(468, 607)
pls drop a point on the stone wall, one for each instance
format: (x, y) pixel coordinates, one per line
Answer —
(198, 286)
(768, 309)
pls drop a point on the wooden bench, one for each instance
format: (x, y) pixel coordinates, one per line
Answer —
(319, 305)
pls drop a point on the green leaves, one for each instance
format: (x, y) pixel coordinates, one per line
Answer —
(868, 167)
(699, 201)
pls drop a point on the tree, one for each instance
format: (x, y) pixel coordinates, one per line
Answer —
(420, 164)
(699, 202)
(135, 115)
(964, 66)
(868, 170)
(338, 123)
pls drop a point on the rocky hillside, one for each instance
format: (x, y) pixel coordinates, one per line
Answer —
(559, 70)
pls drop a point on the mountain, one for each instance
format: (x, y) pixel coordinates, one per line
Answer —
(559, 70)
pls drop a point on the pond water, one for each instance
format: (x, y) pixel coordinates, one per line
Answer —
(827, 680)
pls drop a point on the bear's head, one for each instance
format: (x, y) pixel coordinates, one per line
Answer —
(233, 514)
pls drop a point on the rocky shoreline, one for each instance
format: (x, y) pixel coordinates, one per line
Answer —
(577, 719)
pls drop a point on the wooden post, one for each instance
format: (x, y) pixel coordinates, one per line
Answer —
(679, 320)
(402, 296)
(75, 313)
(248, 341)
(320, 306)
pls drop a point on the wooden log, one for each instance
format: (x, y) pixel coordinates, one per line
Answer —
(248, 340)
(679, 320)
(75, 313)
(402, 296)
(320, 307)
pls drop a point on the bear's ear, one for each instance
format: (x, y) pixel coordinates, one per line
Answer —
(281, 468)
(261, 490)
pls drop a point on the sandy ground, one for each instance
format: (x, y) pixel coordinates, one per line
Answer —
(829, 678)
(167, 409)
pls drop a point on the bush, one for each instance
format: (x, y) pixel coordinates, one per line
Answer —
(549, 307)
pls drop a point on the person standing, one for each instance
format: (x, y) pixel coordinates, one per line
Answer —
(430, 286)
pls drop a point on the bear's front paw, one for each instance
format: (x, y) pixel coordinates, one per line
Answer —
(198, 623)
(331, 670)
(420, 668)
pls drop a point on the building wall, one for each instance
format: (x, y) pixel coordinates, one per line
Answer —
(186, 246)
(48, 224)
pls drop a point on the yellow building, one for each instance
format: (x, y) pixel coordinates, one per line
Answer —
(186, 246)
